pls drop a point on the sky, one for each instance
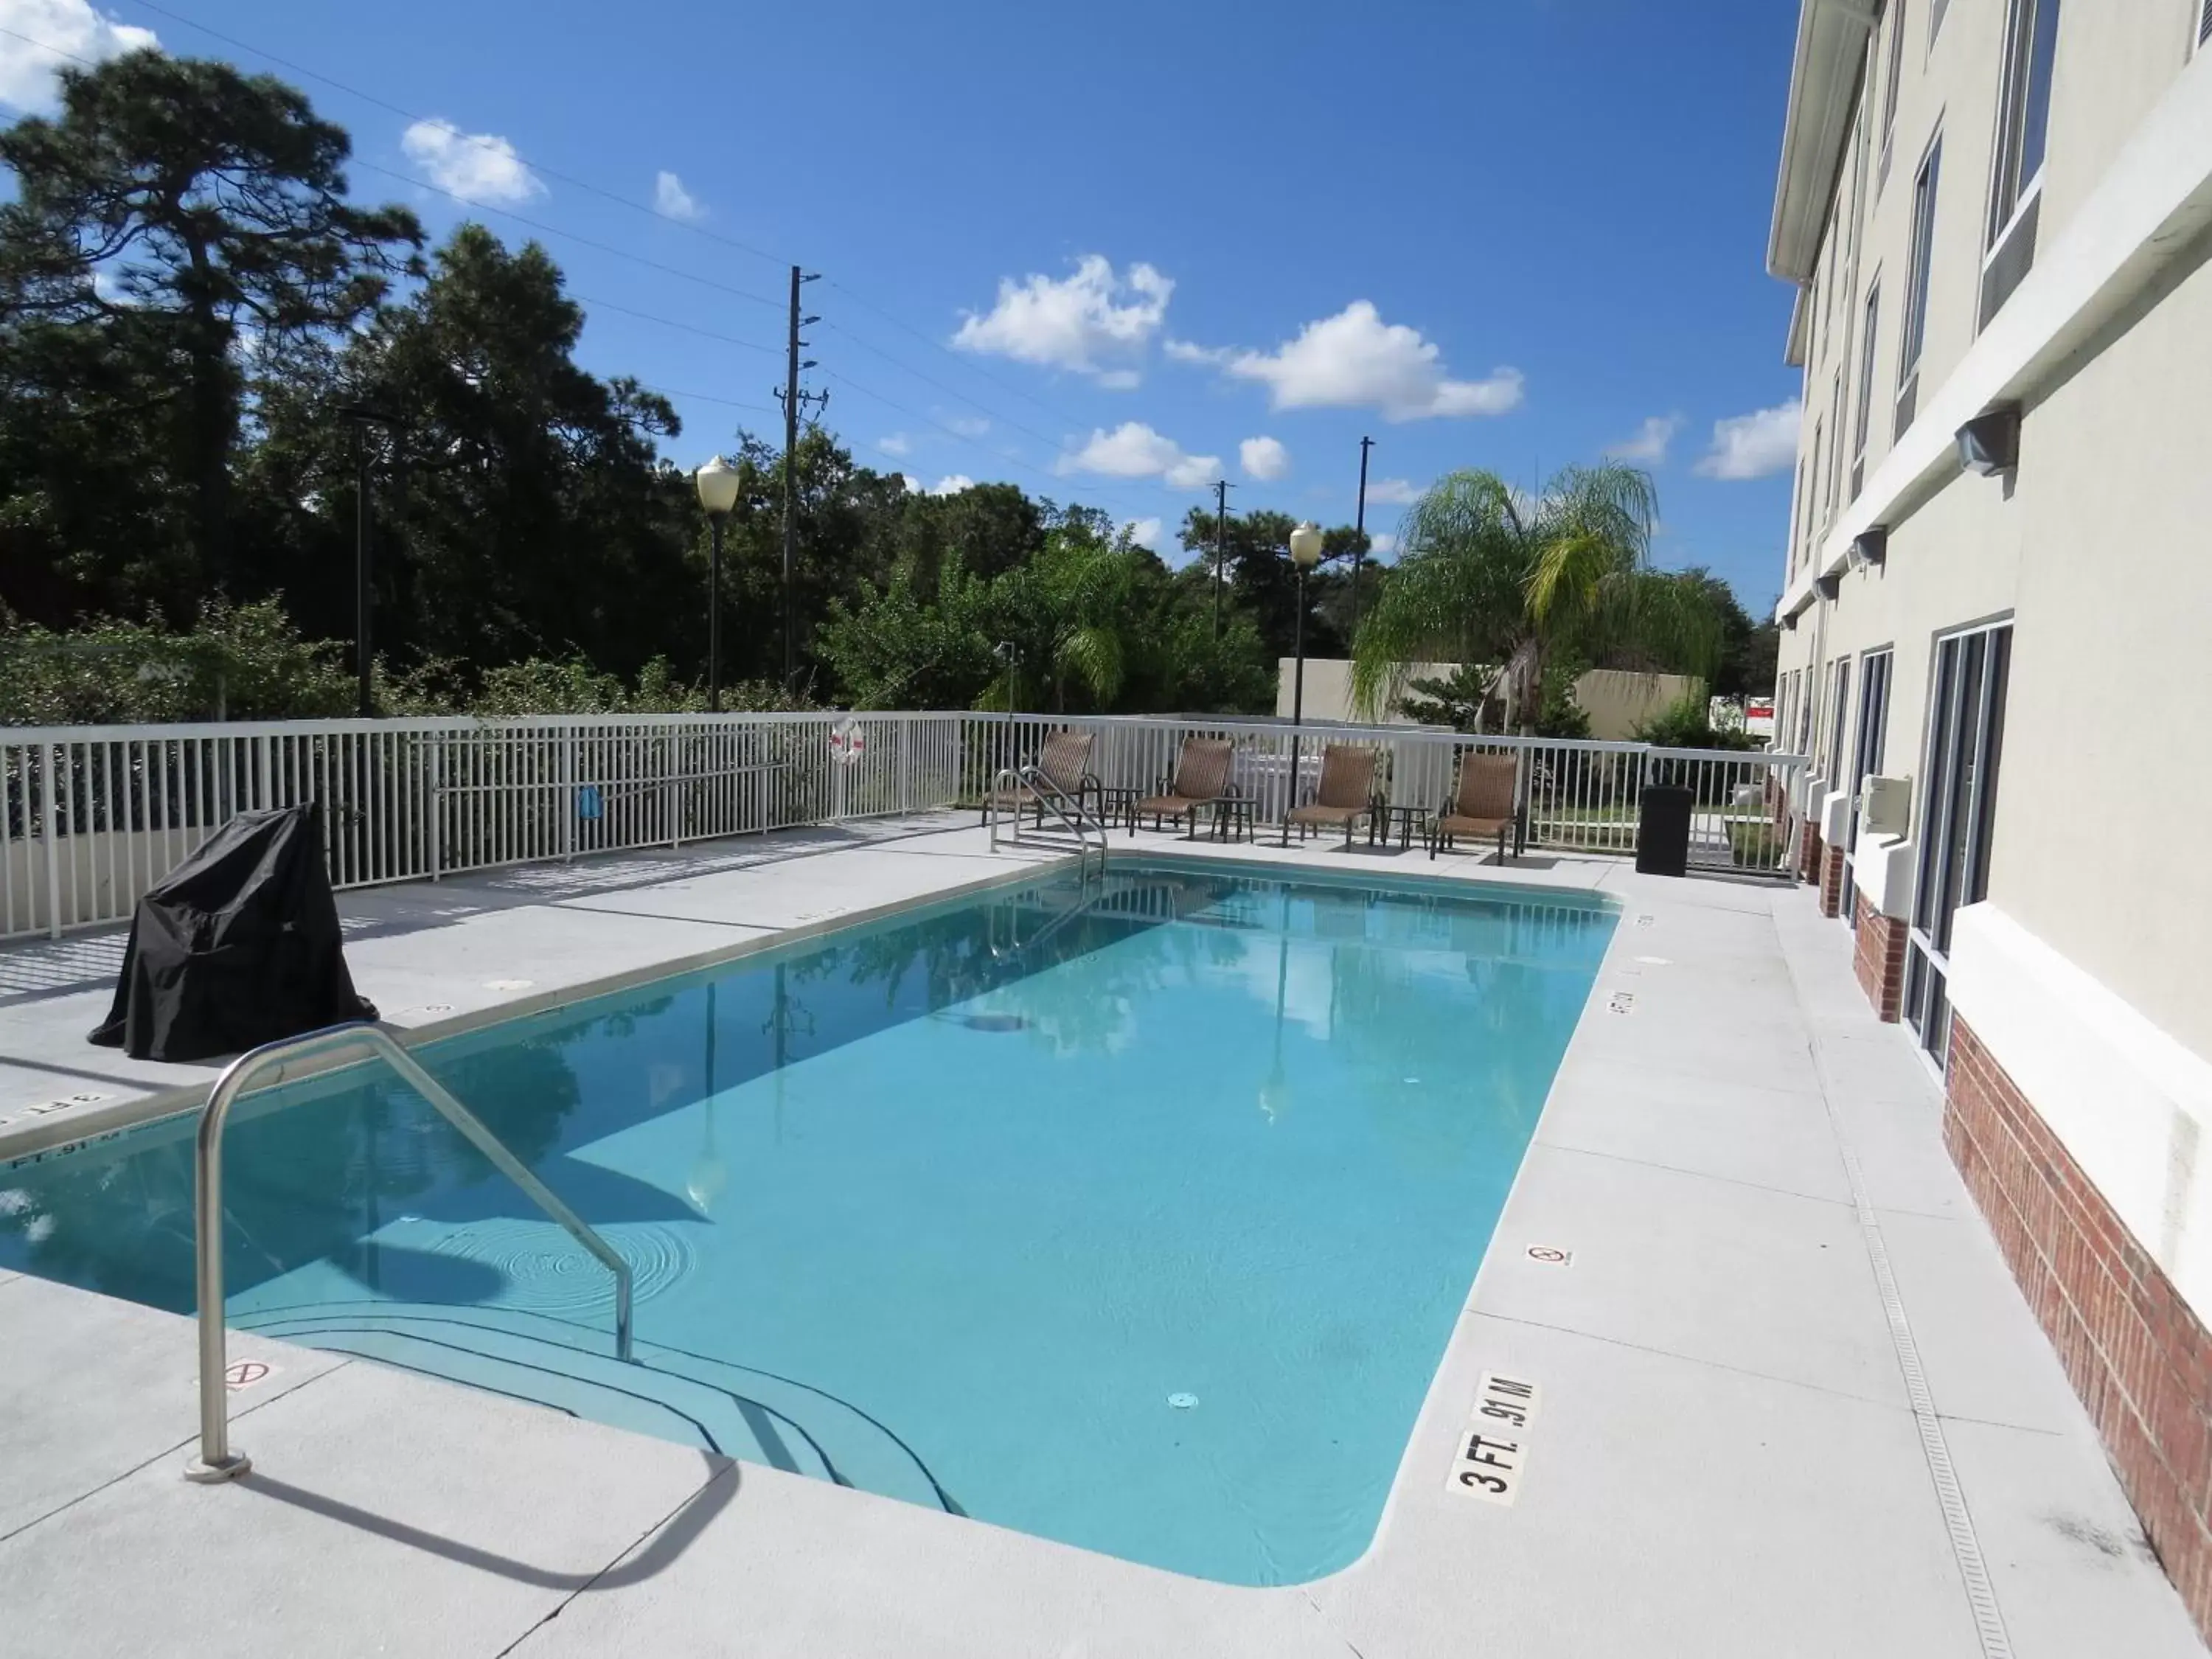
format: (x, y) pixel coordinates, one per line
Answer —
(1113, 254)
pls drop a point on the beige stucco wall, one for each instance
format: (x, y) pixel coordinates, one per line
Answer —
(1616, 700)
(2106, 787)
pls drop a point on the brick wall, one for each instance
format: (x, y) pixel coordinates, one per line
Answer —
(1878, 955)
(1808, 854)
(2137, 1355)
(1832, 881)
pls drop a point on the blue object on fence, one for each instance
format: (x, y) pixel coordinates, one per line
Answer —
(588, 804)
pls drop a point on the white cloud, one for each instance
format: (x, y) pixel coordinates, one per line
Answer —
(969, 426)
(28, 71)
(1264, 459)
(1089, 321)
(1133, 450)
(1145, 533)
(897, 443)
(1121, 379)
(913, 484)
(1381, 543)
(672, 199)
(1355, 359)
(1186, 351)
(1751, 445)
(1393, 492)
(479, 166)
(952, 484)
(1648, 446)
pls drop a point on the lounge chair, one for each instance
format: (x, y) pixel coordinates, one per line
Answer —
(1483, 805)
(1344, 795)
(1201, 780)
(1064, 758)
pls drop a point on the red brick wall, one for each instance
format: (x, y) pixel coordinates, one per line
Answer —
(1878, 955)
(1832, 881)
(2137, 1355)
(1809, 855)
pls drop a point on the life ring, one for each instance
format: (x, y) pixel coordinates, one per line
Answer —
(848, 743)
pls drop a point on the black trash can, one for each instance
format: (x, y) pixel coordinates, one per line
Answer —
(1663, 831)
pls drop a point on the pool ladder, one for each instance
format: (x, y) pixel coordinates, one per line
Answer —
(1087, 831)
(217, 1460)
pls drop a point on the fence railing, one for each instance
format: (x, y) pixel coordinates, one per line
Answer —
(94, 815)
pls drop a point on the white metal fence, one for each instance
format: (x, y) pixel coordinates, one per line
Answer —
(96, 815)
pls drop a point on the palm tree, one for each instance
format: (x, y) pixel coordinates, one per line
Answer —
(1492, 576)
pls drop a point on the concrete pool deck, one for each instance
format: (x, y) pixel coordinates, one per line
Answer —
(1789, 1401)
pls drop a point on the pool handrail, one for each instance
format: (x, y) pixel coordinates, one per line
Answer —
(1069, 810)
(217, 1460)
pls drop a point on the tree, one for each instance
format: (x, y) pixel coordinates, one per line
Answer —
(1489, 577)
(191, 220)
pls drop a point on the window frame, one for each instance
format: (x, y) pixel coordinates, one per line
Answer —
(1870, 322)
(1920, 260)
(1893, 84)
(2016, 91)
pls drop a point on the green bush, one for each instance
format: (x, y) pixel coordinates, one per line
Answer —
(1686, 724)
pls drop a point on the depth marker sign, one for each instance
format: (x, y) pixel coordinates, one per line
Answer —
(1488, 1457)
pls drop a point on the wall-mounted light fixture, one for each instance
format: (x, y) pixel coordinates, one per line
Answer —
(1828, 587)
(1990, 443)
(1869, 547)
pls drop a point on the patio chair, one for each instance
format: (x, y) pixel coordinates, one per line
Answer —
(1200, 779)
(1064, 758)
(1344, 795)
(1483, 805)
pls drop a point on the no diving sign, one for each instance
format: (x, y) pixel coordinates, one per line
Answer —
(244, 1374)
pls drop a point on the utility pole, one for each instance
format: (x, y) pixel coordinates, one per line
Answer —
(793, 401)
(362, 416)
(1359, 530)
(1221, 489)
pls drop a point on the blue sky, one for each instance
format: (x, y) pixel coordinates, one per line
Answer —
(1104, 253)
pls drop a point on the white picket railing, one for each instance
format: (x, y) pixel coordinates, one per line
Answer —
(96, 815)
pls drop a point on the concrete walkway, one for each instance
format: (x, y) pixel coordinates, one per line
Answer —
(1788, 1399)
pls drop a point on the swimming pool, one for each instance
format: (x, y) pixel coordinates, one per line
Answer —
(1134, 1214)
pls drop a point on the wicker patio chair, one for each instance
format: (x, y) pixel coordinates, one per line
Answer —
(1064, 758)
(1483, 805)
(1344, 795)
(1200, 779)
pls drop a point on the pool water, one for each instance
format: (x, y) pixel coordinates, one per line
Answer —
(1136, 1215)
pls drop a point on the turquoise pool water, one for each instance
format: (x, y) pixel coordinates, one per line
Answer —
(1136, 1217)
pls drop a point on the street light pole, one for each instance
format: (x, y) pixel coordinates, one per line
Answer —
(1305, 553)
(1359, 534)
(362, 417)
(717, 483)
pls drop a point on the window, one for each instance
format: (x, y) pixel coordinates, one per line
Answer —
(2023, 108)
(1866, 754)
(2204, 24)
(1812, 505)
(1896, 79)
(1865, 415)
(1835, 460)
(1798, 540)
(1958, 808)
(1935, 20)
(1839, 716)
(1914, 331)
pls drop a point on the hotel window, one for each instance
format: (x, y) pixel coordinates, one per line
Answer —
(1866, 755)
(1840, 715)
(1915, 329)
(2031, 49)
(1958, 812)
(1935, 20)
(2204, 24)
(1864, 418)
(1813, 505)
(1889, 92)
(1835, 460)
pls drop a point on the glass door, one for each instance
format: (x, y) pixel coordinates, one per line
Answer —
(1965, 740)
(1866, 755)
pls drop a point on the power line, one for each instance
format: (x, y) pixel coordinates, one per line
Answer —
(573, 236)
(670, 322)
(705, 397)
(636, 206)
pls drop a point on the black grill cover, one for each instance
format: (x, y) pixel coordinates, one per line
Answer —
(238, 945)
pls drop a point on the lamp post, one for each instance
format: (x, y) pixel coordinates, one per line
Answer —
(717, 482)
(1305, 554)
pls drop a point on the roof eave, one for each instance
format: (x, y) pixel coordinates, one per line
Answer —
(1832, 36)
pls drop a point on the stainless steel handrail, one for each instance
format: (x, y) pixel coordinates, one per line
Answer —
(1047, 794)
(217, 1460)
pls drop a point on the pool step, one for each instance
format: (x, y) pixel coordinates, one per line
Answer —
(667, 1393)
